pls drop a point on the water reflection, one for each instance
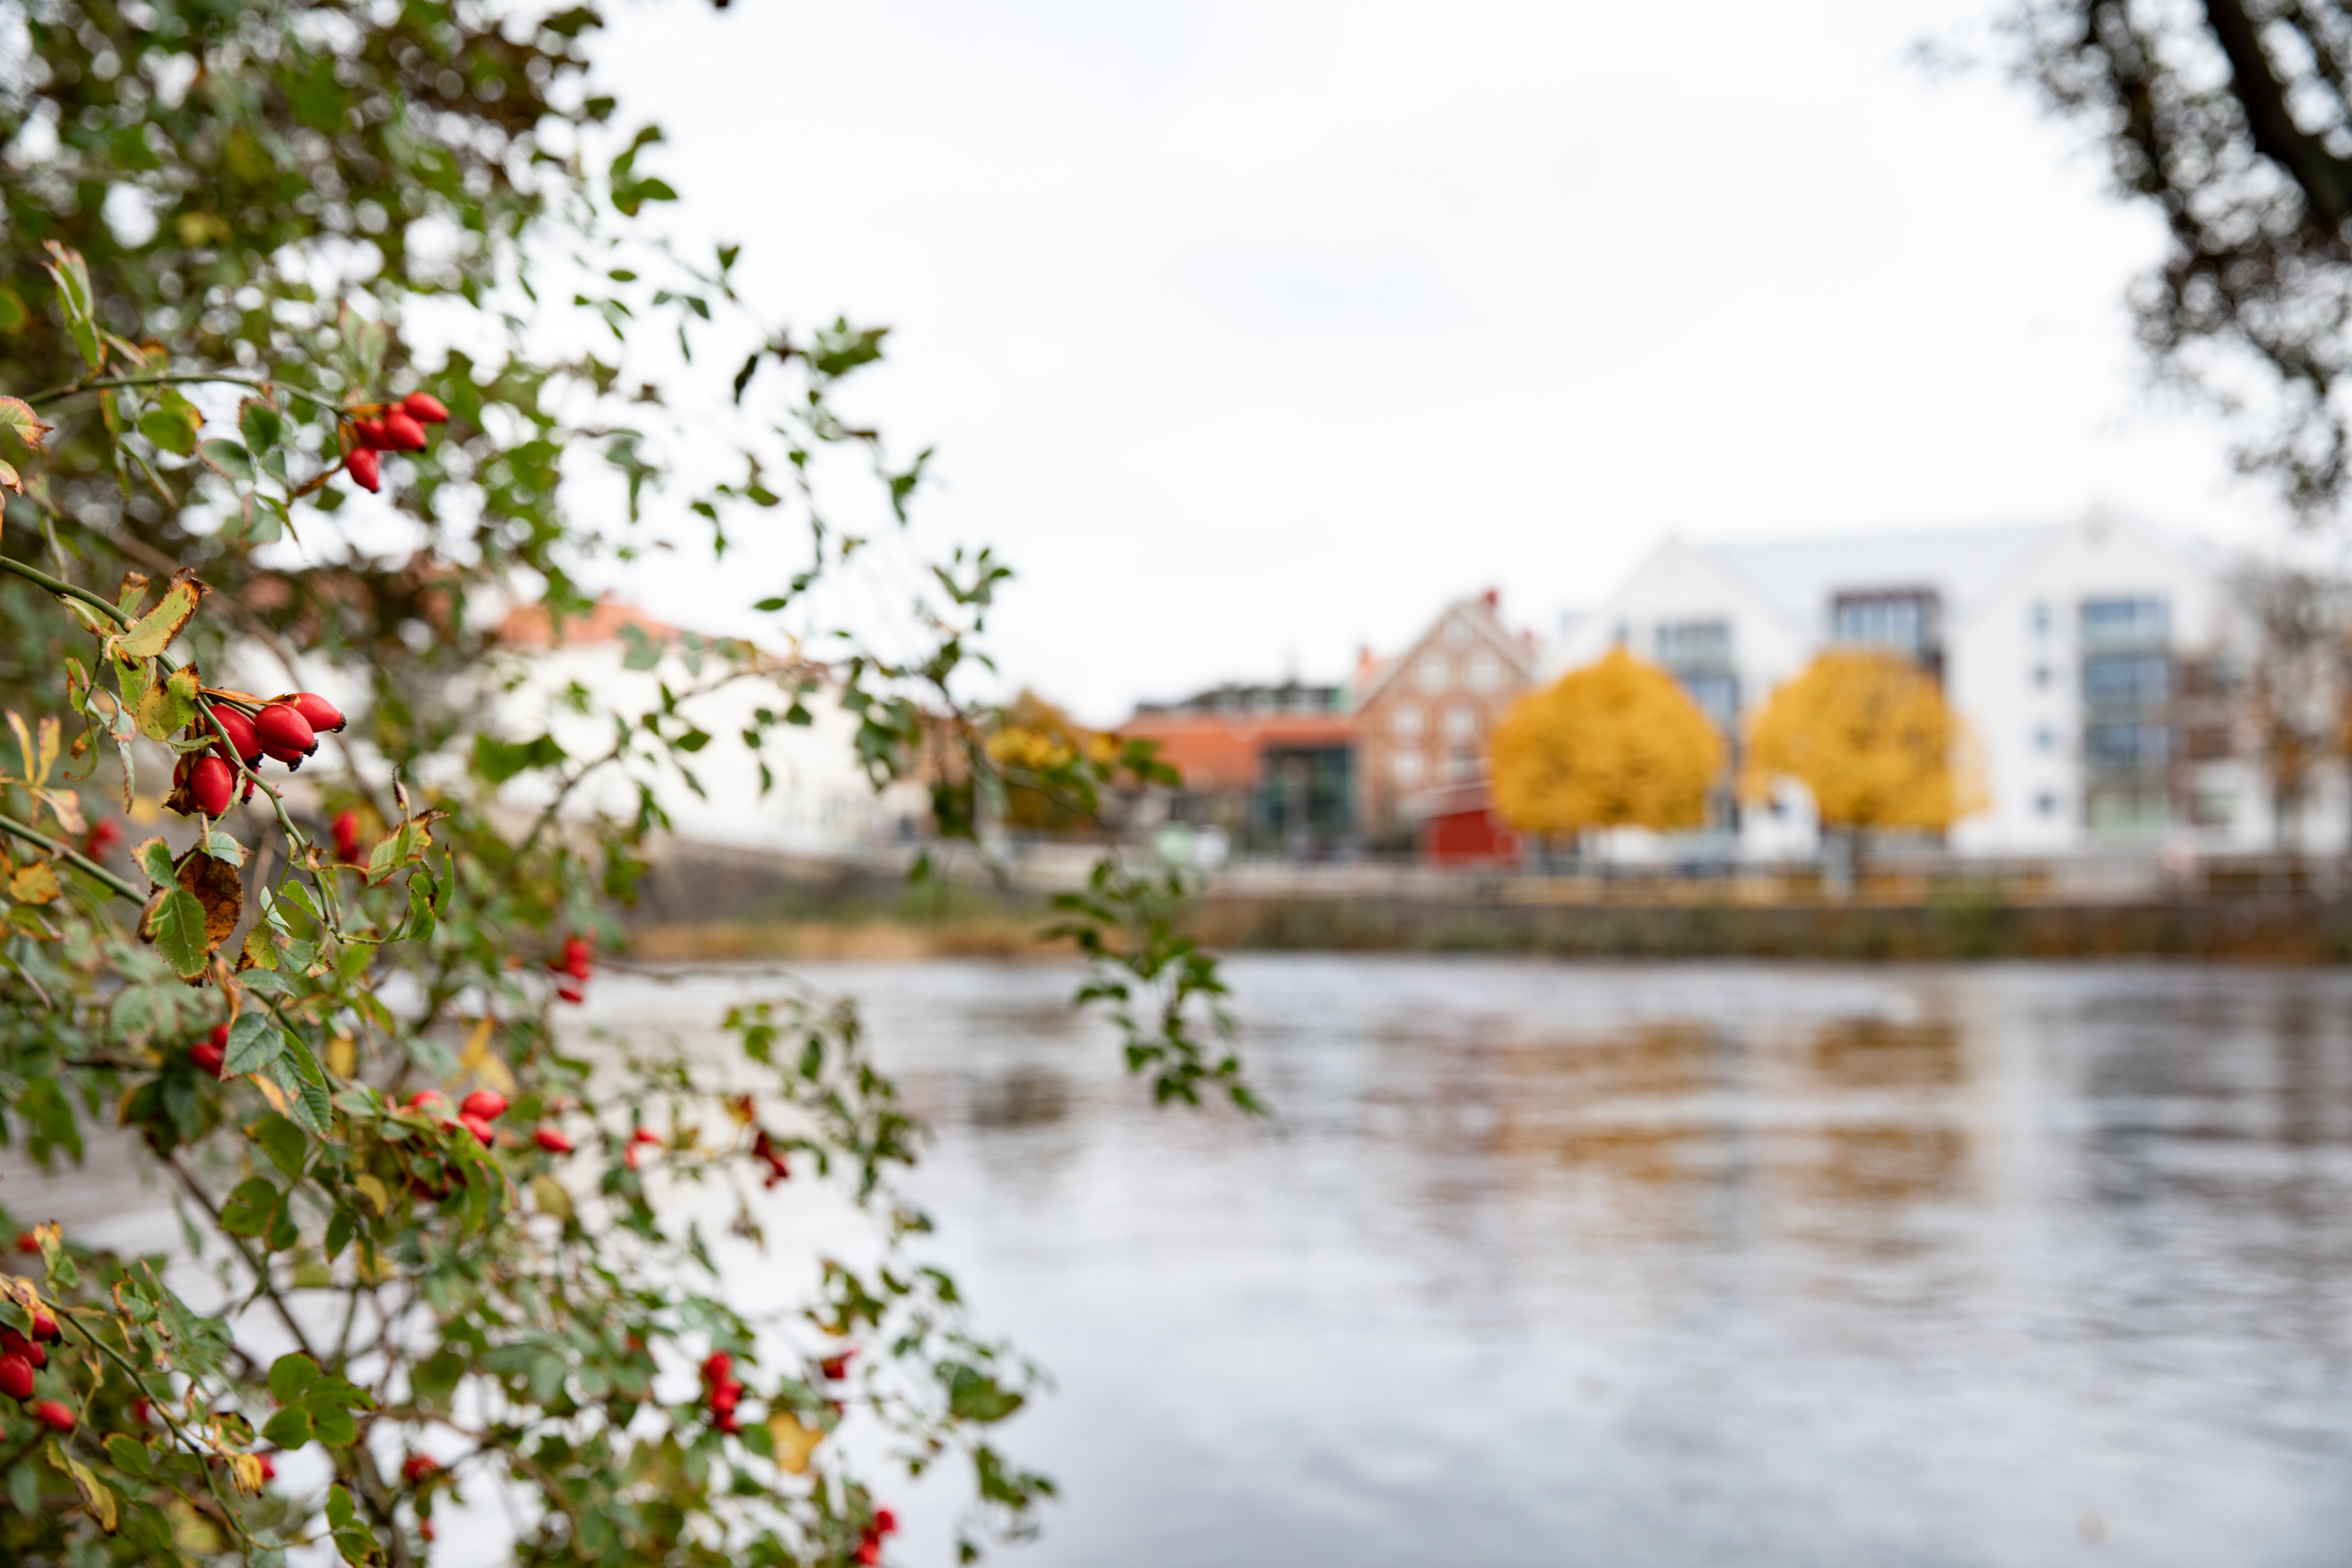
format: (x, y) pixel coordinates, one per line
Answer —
(1658, 1266)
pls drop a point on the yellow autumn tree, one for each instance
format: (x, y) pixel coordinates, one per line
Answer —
(1870, 735)
(1038, 737)
(1614, 744)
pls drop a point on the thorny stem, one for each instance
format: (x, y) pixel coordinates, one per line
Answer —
(67, 1315)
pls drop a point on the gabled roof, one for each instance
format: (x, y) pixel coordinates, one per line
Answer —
(1481, 612)
(1800, 576)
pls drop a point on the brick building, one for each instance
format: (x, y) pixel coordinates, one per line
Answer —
(1423, 719)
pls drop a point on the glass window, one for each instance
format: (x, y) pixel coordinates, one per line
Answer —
(2040, 618)
(1717, 696)
(1405, 768)
(2127, 745)
(1458, 632)
(2046, 803)
(2125, 810)
(2044, 740)
(1486, 672)
(1682, 644)
(2041, 675)
(2126, 623)
(1435, 672)
(2127, 679)
(1461, 724)
(1901, 623)
(1406, 721)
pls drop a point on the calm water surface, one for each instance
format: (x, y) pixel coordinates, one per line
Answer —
(1653, 1266)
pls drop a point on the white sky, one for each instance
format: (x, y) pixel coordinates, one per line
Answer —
(1253, 332)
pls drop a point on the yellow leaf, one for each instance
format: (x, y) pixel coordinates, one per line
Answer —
(549, 1195)
(153, 632)
(343, 1056)
(270, 1093)
(795, 1442)
(372, 1190)
(95, 1496)
(244, 1471)
(17, 415)
(35, 884)
(476, 1060)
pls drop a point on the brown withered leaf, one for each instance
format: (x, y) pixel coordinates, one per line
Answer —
(218, 889)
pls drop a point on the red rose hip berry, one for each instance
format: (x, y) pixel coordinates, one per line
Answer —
(402, 433)
(426, 408)
(323, 716)
(549, 1139)
(363, 469)
(54, 1415)
(285, 733)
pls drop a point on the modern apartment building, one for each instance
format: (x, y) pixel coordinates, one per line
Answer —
(2089, 660)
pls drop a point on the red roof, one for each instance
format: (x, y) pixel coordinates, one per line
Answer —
(1221, 750)
(529, 626)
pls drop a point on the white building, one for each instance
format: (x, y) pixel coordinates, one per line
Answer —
(2082, 657)
(816, 800)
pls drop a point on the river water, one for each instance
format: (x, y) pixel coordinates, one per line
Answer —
(1650, 1265)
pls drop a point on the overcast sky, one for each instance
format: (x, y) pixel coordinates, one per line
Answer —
(1253, 332)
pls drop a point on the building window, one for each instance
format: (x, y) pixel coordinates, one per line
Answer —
(1717, 697)
(2046, 803)
(2127, 679)
(1486, 672)
(2041, 675)
(1900, 623)
(1684, 645)
(1406, 719)
(2212, 807)
(1458, 632)
(2041, 617)
(2045, 740)
(1435, 672)
(1405, 768)
(1461, 724)
(2136, 747)
(2125, 810)
(2126, 623)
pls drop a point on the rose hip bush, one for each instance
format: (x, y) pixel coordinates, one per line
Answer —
(452, 1249)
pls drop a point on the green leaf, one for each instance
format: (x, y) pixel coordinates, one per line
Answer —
(292, 1376)
(972, 1396)
(129, 1455)
(168, 704)
(177, 929)
(497, 760)
(13, 313)
(290, 1428)
(261, 425)
(229, 458)
(169, 429)
(283, 1142)
(352, 1537)
(255, 1041)
(154, 857)
(248, 1210)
